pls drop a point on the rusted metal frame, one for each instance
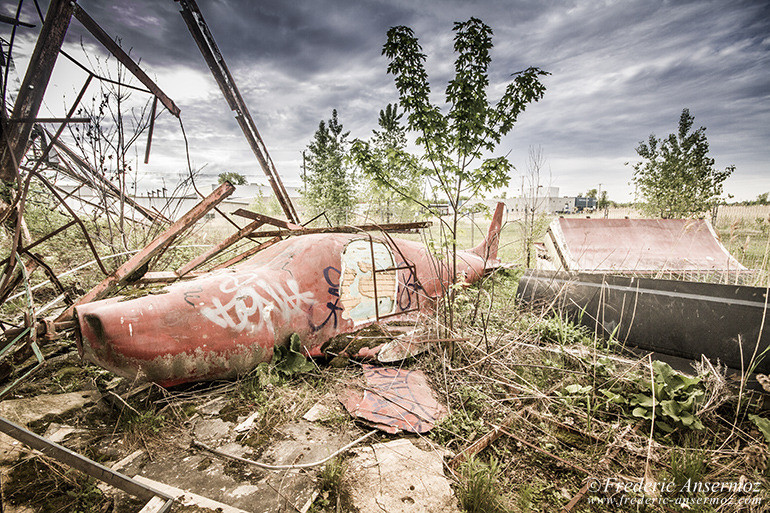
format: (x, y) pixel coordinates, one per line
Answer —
(30, 330)
(412, 267)
(5, 285)
(100, 77)
(268, 220)
(392, 227)
(247, 254)
(153, 249)
(229, 241)
(83, 464)
(95, 175)
(115, 49)
(15, 22)
(35, 82)
(50, 273)
(14, 278)
(150, 131)
(77, 219)
(216, 63)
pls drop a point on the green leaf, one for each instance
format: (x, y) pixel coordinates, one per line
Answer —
(642, 413)
(289, 360)
(612, 396)
(577, 389)
(763, 424)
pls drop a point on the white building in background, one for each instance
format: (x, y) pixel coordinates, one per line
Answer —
(545, 201)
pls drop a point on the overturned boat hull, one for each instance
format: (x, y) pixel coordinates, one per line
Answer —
(678, 318)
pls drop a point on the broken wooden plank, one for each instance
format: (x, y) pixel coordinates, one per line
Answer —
(212, 252)
(157, 246)
(388, 227)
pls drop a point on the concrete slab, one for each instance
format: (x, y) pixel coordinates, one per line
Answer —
(244, 486)
(27, 410)
(398, 476)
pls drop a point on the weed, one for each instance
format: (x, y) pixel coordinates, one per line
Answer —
(688, 465)
(479, 487)
(458, 428)
(332, 491)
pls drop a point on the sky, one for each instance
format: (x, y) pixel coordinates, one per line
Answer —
(620, 70)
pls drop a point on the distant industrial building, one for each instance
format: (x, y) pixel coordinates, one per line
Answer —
(546, 201)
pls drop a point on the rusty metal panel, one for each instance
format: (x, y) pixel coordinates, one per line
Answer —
(637, 245)
(679, 318)
(395, 400)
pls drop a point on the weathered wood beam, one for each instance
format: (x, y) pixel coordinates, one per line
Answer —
(126, 271)
(212, 252)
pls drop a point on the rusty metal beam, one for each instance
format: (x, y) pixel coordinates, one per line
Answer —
(124, 58)
(96, 176)
(81, 463)
(247, 254)
(33, 86)
(154, 248)
(280, 223)
(229, 241)
(216, 62)
(390, 227)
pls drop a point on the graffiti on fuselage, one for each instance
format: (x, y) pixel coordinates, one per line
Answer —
(254, 300)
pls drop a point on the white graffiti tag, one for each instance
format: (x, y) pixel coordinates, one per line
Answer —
(251, 306)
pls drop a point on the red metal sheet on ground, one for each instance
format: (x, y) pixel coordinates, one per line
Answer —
(640, 245)
(395, 400)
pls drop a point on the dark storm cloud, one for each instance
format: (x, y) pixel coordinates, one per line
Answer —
(620, 71)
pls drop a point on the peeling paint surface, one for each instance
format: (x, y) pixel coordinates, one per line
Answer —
(357, 287)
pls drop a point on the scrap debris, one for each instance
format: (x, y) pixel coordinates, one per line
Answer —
(395, 400)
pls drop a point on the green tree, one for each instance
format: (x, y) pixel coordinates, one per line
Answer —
(677, 177)
(232, 177)
(329, 180)
(456, 144)
(394, 174)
